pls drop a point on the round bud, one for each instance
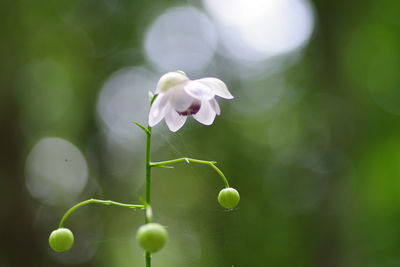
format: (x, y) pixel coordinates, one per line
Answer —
(61, 240)
(152, 237)
(228, 198)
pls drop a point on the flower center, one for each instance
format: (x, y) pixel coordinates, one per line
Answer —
(193, 109)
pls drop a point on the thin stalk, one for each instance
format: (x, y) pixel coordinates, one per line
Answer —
(148, 213)
(148, 169)
(96, 201)
(148, 186)
(206, 162)
(148, 259)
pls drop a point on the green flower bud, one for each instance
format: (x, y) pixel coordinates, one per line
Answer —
(228, 198)
(152, 237)
(61, 240)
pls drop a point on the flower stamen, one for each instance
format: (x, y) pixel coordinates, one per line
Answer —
(193, 109)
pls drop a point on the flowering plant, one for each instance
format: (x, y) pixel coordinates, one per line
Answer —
(176, 98)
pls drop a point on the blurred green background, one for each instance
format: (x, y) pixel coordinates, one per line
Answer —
(311, 140)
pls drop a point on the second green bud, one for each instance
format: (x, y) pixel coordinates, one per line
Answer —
(152, 237)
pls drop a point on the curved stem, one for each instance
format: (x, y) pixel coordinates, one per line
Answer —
(164, 164)
(96, 201)
(220, 174)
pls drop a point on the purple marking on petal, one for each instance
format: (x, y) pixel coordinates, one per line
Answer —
(193, 109)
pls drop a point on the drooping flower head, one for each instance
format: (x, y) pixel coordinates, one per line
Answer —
(178, 97)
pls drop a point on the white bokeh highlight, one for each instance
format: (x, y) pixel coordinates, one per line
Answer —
(123, 99)
(255, 30)
(181, 38)
(56, 171)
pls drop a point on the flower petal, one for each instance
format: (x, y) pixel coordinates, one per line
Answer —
(198, 90)
(217, 86)
(214, 105)
(174, 120)
(170, 80)
(157, 110)
(179, 99)
(206, 114)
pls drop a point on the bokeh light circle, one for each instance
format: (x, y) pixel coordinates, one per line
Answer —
(56, 171)
(256, 30)
(123, 99)
(181, 38)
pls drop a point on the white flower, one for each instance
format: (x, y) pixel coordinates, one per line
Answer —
(178, 97)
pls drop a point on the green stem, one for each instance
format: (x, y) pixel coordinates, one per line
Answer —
(96, 201)
(148, 170)
(148, 259)
(206, 162)
(147, 216)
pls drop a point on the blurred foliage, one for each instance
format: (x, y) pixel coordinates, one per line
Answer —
(313, 148)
